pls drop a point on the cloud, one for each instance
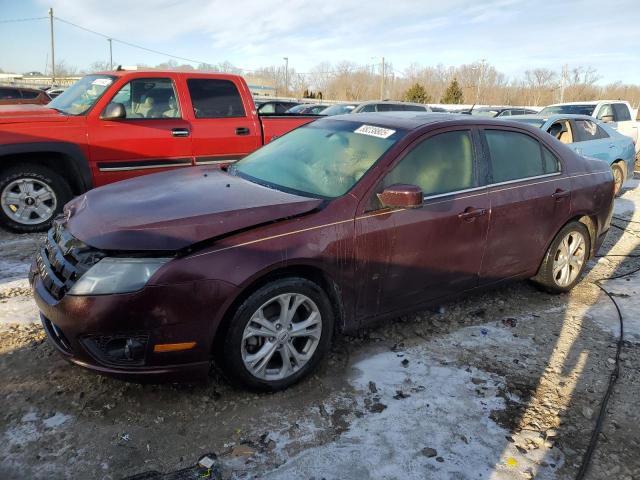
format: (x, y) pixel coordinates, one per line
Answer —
(511, 34)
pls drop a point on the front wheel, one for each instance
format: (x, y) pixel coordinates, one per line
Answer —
(30, 197)
(565, 260)
(278, 335)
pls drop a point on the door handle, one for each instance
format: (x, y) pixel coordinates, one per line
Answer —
(471, 213)
(559, 194)
(180, 132)
(242, 131)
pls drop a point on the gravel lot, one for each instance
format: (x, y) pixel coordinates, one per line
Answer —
(501, 384)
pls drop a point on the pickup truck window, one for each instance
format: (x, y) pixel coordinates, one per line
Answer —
(148, 98)
(321, 159)
(605, 111)
(82, 95)
(588, 130)
(215, 98)
(621, 112)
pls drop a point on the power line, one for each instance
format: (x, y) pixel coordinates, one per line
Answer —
(14, 20)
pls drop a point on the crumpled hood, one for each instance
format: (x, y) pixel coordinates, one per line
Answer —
(172, 210)
(29, 114)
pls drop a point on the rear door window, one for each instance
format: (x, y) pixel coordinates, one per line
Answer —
(515, 156)
(587, 130)
(440, 164)
(215, 98)
(621, 112)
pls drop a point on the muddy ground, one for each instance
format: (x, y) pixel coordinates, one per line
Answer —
(502, 384)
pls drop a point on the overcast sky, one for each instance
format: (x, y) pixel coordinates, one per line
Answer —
(512, 35)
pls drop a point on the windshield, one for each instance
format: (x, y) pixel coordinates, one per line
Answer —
(484, 113)
(571, 109)
(82, 95)
(337, 109)
(536, 122)
(324, 159)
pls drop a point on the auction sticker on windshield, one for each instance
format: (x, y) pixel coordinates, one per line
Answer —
(374, 131)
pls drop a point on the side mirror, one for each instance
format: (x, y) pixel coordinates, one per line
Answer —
(401, 196)
(607, 118)
(114, 111)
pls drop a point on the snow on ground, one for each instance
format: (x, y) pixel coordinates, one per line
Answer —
(427, 418)
(626, 292)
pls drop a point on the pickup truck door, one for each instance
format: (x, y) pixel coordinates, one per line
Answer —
(618, 116)
(225, 126)
(154, 136)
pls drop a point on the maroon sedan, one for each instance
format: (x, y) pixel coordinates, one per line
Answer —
(341, 222)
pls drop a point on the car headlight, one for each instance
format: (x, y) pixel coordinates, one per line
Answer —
(117, 275)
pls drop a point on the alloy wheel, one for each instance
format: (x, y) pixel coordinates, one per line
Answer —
(28, 201)
(569, 258)
(281, 336)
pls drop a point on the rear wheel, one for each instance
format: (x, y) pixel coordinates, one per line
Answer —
(30, 197)
(618, 178)
(278, 335)
(565, 260)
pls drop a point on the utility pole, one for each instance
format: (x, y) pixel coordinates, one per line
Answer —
(382, 80)
(53, 50)
(286, 75)
(110, 54)
(562, 82)
(480, 80)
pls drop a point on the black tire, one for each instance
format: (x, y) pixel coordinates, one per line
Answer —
(230, 356)
(58, 185)
(618, 177)
(545, 277)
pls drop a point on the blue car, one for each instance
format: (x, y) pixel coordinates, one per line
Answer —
(591, 138)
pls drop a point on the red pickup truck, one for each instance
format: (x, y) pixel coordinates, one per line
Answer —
(114, 125)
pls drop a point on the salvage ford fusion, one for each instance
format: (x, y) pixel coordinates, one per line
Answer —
(341, 222)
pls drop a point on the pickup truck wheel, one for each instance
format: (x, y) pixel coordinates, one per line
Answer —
(565, 260)
(278, 335)
(618, 178)
(30, 197)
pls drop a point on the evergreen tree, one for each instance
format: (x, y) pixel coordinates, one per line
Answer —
(417, 93)
(453, 94)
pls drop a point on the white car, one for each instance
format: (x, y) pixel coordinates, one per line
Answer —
(617, 113)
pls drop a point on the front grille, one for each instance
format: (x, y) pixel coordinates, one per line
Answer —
(63, 259)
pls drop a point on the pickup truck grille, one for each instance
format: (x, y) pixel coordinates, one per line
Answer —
(63, 259)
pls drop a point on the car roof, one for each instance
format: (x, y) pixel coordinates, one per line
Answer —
(392, 102)
(414, 120)
(588, 102)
